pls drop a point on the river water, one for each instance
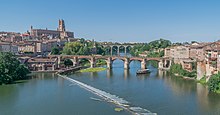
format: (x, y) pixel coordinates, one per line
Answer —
(158, 92)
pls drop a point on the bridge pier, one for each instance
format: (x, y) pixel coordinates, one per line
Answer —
(111, 50)
(118, 50)
(43, 67)
(125, 50)
(58, 62)
(160, 65)
(143, 64)
(126, 63)
(109, 63)
(92, 62)
(75, 61)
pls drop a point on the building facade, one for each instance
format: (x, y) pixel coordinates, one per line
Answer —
(42, 64)
(8, 47)
(59, 33)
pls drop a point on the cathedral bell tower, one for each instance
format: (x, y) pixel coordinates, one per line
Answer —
(61, 26)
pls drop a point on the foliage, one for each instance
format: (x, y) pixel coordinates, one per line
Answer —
(177, 69)
(161, 43)
(100, 62)
(73, 48)
(156, 54)
(11, 69)
(55, 51)
(139, 48)
(68, 62)
(154, 45)
(82, 48)
(153, 63)
(214, 83)
(202, 80)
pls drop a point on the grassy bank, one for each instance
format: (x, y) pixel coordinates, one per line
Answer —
(97, 69)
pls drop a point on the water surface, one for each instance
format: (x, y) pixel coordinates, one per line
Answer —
(48, 94)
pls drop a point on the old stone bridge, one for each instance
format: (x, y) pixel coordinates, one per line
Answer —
(163, 63)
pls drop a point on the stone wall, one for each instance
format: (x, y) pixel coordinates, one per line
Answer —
(201, 70)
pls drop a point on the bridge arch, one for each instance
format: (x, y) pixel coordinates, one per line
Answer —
(128, 48)
(118, 58)
(154, 59)
(101, 59)
(116, 47)
(134, 62)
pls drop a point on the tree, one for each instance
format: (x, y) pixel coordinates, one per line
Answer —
(214, 83)
(156, 44)
(72, 48)
(11, 69)
(55, 51)
(78, 48)
(68, 62)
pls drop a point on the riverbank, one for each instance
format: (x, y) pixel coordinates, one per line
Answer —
(213, 85)
(97, 69)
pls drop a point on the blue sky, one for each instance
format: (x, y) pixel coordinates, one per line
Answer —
(118, 20)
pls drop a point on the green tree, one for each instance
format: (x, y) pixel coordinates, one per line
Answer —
(11, 69)
(79, 48)
(177, 68)
(153, 45)
(68, 62)
(214, 83)
(72, 48)
(55, 51)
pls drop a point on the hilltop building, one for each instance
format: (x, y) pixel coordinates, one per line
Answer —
(59, 33)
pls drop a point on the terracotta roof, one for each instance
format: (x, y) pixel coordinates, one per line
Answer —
(200, 45)
(215, 46)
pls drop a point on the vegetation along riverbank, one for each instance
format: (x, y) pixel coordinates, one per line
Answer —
(11, 70)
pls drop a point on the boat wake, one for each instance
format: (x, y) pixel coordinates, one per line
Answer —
(111, 98)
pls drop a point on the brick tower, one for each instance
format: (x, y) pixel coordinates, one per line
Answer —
(61, 26)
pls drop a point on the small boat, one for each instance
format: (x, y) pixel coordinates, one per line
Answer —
(143, 71)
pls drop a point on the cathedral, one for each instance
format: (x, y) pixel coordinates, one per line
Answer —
(59, 33)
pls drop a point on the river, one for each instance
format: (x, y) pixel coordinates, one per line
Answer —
(48, 94)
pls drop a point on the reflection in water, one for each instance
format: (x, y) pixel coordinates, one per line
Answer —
(158, 91)
(182, 87)
(109, 73)
(126, 73)
(161, 73)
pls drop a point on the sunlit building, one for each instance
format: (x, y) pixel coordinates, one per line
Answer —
(59, 33)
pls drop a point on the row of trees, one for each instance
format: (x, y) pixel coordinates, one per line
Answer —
(83, 48)
(154, 45)
(11, 69)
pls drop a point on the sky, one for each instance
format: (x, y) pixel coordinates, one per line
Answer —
(118, 20)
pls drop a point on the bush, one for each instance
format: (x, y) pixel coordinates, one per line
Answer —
(214, 83)
(177, 68)
(11, 69)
